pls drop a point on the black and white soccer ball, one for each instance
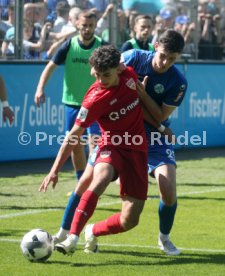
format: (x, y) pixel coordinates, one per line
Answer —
(37, 245)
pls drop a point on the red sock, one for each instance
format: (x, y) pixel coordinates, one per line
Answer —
(109, 226)
(83, 212)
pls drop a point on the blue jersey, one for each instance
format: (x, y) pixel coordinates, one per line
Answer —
(166, 88)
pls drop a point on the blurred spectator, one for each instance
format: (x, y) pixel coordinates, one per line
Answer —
(72, 21)
(122, 31)
(68, 31)
(165, 20)
(168, 15)
(51, 7)
(8, 43)
(6, 24)
(186, 28)
(210, 42)
(36, 12)
(4, 11)
(159, 28)
(142, 28)
(103, 22)
(62, 16)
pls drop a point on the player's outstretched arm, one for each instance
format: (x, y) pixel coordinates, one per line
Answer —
(70, 141)
(39, 97)
(7, 111)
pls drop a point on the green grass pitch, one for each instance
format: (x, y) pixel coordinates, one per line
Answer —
(199, 228)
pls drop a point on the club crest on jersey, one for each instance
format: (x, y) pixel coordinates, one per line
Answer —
(82, 115)
(105, 154)
(159, 88)
(131, 84)
(179, 96)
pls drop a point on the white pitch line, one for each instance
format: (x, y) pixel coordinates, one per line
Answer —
(202, 192)
(26, 213)
(101, 204)
(134, 246)
(49, 210)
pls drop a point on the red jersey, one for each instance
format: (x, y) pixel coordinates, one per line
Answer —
(118, 112)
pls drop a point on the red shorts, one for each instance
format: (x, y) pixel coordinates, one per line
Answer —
(131, 167)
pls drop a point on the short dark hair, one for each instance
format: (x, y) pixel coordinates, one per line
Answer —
(87, 14)
(105, 57)
(172, 41)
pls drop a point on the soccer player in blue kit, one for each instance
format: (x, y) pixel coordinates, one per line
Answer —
(165, 86)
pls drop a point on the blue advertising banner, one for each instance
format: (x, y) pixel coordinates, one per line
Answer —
(38, 132)
(35, 130)
(200, 120)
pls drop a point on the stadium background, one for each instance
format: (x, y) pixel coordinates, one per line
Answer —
(199, 122)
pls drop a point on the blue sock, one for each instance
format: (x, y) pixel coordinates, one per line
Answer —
(70, 210)
(79, 174)
(166, 217)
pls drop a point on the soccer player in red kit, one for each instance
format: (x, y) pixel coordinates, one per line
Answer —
(113, 102)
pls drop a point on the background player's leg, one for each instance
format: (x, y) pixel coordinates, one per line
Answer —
(166, 178)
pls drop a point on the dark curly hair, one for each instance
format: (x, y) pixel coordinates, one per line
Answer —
(172, 41)
(105, 57)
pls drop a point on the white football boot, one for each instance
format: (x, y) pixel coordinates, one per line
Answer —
(91, 243)
(168, 247)
(68, 246)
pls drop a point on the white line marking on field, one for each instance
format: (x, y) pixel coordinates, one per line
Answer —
(202, 192)
(101, 204)
(135, 246)
(50, 210)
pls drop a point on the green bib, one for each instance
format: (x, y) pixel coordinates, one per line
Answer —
(135, 45)
(77, 78)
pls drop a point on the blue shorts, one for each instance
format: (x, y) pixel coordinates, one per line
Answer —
(160, 154)
(71, 113)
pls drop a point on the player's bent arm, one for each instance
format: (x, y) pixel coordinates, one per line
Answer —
(158, 113)
(70, 141)
(167, 110)
(152, 107)
(149, 118)
(166, 131)
(46, 74)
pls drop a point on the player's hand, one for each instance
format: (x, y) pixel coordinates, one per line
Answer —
(51, 177)
(39, 98)
(141, 86)
(8, 114)
(170, 135)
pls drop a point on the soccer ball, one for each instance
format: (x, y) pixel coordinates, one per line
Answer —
(37, 245)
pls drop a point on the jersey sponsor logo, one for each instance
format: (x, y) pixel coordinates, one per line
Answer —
(131, 84)
(105, 154)
(80, 60)
(180, 94)
(159, 88)
(82, 115)
(113, 116)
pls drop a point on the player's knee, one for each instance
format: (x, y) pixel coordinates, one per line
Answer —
(169, 199)
(129, 222)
